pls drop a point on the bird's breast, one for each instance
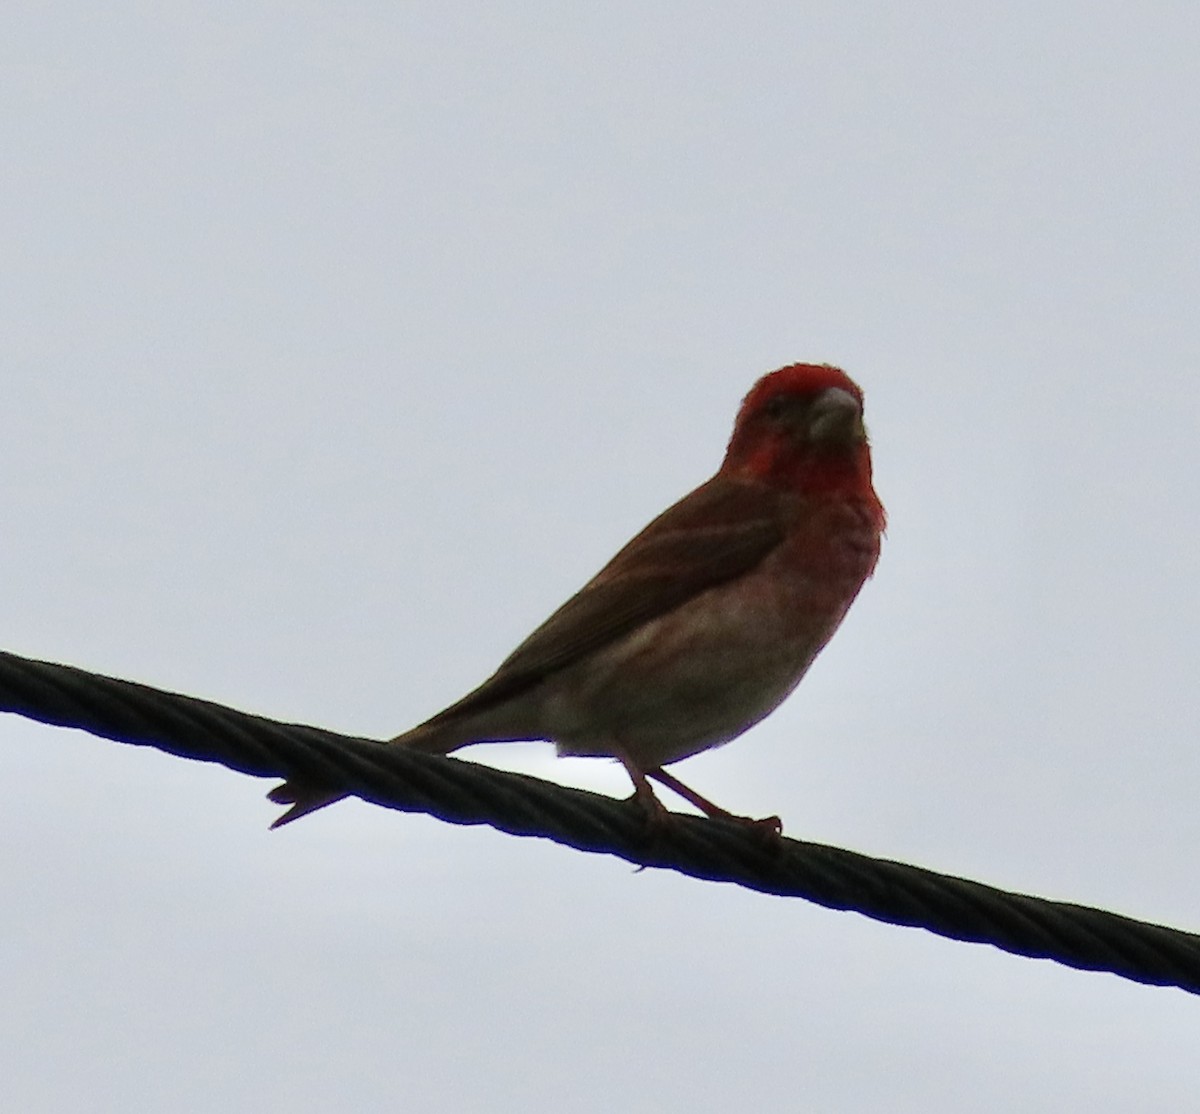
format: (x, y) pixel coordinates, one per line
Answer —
(704, 672)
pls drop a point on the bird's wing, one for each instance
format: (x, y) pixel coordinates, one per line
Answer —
(721, 530)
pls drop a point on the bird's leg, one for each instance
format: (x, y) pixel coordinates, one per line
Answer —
(770, 824)
(643, 792)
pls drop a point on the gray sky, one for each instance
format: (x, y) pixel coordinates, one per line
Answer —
(341, 343)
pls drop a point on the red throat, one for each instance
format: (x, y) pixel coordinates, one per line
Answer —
(775, 461)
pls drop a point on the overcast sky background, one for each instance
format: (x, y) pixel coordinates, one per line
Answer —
(340, 343)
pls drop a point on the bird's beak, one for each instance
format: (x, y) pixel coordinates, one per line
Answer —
(836, 418)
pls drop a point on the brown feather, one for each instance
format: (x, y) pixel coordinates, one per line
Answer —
(720, 531)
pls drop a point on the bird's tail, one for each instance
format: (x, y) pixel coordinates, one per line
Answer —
(429, 738)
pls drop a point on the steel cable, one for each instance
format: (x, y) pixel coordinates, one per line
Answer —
(466, 793)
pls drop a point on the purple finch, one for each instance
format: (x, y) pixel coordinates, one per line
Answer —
(708, 618)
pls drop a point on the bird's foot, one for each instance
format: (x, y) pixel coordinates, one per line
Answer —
(767, 830)
(654, 812)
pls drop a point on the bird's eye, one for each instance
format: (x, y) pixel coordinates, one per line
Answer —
(776, 407)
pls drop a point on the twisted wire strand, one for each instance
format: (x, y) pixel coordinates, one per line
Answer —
(465, 793)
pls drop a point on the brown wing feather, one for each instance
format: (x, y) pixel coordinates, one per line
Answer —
(721, 530)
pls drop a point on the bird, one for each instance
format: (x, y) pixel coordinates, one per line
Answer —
(706, 620)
